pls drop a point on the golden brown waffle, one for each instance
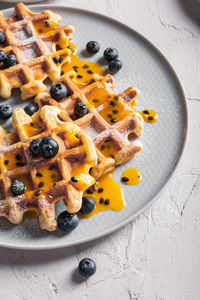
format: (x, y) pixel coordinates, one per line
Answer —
(35, 39)
(46, 180)
(111, 138)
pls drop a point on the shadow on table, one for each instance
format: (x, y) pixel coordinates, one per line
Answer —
(192, 8)
(22, 257)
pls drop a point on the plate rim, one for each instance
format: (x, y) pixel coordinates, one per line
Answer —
(179, 154)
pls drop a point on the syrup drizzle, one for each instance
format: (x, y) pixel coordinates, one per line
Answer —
(84, 69)
(108, 195)
(149, 115)
(131, 176)
(45, 26)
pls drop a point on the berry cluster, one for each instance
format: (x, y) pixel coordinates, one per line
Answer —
(110, 55)
(8, 60)
(46, 147)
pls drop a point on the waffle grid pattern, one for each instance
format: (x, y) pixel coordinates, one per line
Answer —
(76, 152)
(95, 125)
(34, 51)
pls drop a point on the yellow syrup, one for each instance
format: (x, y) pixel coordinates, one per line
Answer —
(31, 129)
(46, 176)
(131, 176)
(108, 195)
(45, 26)
(113, 109)
(108, 148)
(113, 114)
(43, 179)
(11, 161)
(84, 69)
(98, 96)
(79, 177)
(31, 214)
(149, 115)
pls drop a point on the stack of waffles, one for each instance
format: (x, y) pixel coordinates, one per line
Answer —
(89, 146)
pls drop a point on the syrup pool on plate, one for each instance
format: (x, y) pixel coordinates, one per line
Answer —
(131, 176)
(149, 115)
(107, 195)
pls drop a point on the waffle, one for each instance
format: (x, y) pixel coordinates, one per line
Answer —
(46, 180)
(35, 50)
(111, 139)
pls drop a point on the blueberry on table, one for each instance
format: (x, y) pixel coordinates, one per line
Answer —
(48, 147)
(30, 109)
(58, 91)
(5, 111)
(115, 65)
(35, 146)
(87, 267)
(2, 55)
(10, 61)
(88, 205)
(2, 37)
(80, 109)
(67, 222)
(92, 47)
(17, 187)
(110, 54)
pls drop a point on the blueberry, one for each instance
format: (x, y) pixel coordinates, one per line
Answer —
(88, 205)
(115, 65)
(10, 61)
(30, 109)
(2, 37)
(67, 222)
(58, 91)
(87, 267)
(2, 55)
(110, 54)
(5, 111)
(35, 146)
(92, 47)
(80, 109)
(17, 187)
(48, 147)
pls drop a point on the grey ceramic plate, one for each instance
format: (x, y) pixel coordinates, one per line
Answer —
(146, 68)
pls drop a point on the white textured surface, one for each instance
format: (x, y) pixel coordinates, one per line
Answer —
(156, 257)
